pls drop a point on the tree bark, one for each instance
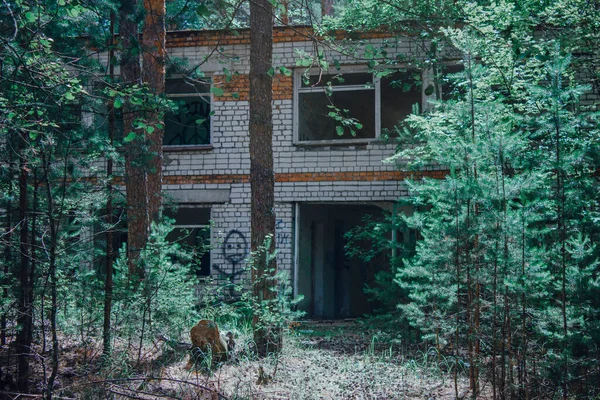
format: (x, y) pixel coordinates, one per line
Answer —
(143, 155)
(154, 46)
(262, 179)
(135, 179)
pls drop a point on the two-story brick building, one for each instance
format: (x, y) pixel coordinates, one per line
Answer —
(325, 182)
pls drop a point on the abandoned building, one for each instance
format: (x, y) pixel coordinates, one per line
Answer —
(325, 182)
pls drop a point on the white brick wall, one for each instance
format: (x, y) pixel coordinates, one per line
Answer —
(229, 154)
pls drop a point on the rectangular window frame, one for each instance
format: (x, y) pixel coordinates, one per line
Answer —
(298, 89)
(209, 95)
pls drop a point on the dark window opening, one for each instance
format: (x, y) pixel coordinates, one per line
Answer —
(400, 91)
(344, 106)
(189, 123)
(192, 232)
(316, 124)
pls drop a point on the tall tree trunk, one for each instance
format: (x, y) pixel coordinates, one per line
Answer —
(262, 179)
(53, 222)
(135, 178)
(143, 154)
(154, 52)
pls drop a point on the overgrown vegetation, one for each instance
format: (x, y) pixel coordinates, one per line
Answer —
(504, 276)
(501, 283)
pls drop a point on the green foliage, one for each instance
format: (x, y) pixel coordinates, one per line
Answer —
(506, 266)
(163, 302)
(275, 312)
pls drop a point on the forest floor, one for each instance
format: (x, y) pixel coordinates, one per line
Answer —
(320, 360)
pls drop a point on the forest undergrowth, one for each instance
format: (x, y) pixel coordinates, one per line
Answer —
(320, 360)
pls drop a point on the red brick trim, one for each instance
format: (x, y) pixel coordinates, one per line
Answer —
(308, 177)
(281, 34)
(191, 179)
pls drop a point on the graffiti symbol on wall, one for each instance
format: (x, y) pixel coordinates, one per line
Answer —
(282, 238)
(235, 249)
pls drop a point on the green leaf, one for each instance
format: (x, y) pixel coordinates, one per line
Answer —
(336, 64)
(69, 96)
(235, 95)
(200, 121)
(135, 100)
(339, 130)
(118, 103)
(285, 71)
(75, 11)
(129, 138)
(358, 125)
(304, 62)
(271, 72)
(217, 91)
(369, 52)
(429, 90)
(150, 129)
(33, 135)
(29, 16)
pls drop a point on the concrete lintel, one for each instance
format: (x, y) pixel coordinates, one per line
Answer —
(200, 195)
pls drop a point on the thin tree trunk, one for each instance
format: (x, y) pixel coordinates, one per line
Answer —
(33, 247)
(524, 339)
(560, 199)
(262, 179)
(108, 283)
(53, 284)
(8, 248)
(25, 317)
(474, 341)
(457, 322)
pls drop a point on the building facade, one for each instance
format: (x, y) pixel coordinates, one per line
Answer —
(327, 177)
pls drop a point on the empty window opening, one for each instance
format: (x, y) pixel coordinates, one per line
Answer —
(353, 105)
(189, 123)
(400, 92)
(192, 232)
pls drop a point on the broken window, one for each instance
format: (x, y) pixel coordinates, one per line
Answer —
(192, 232)
(353, 105)
(189, 123)
(400, 92)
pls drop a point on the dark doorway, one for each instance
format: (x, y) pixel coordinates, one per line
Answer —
(333, 284)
